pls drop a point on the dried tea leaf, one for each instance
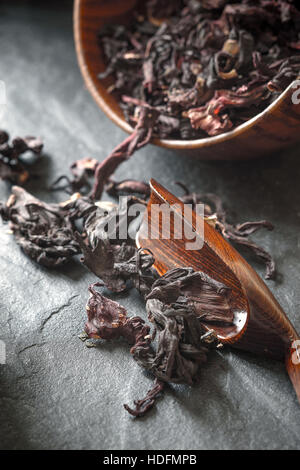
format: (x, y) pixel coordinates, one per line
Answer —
(145, 404)
(194, 293)
(13, 167)
(43, 231)
(127, 187)
(107, 262)
(113, 260)
(140, 137)
(107, 319)
(81, 171)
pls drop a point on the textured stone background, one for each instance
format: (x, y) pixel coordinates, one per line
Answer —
(55, 392)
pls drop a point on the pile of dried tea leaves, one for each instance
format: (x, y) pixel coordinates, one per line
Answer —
(203, 66)
(183, 306)
(182, 69)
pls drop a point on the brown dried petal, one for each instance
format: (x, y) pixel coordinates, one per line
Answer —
(212, 124)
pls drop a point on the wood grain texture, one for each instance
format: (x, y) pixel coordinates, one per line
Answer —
(275, 128)
(261, 326)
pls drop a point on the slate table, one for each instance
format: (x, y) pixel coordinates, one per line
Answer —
(55, 392)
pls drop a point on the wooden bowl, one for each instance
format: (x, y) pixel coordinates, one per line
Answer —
(273, 129)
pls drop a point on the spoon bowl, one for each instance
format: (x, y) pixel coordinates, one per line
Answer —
(273, 129)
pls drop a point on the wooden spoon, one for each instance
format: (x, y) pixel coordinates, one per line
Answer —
(260, 325)
(274, 128)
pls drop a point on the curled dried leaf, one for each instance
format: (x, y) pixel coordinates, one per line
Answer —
(109, 252)
(127, 187)
(140, 137)
(212, 124)
(196, 294)
(45, 232)
(13, 167)
(81, 171)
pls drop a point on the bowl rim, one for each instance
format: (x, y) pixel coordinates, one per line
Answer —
(166, 143)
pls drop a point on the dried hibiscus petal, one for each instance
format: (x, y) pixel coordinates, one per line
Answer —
(212, 124)
(212, 117)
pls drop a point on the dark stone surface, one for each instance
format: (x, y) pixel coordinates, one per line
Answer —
(55, 392)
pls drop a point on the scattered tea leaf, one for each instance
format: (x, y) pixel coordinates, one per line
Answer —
(13, 167)
(44, 231)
